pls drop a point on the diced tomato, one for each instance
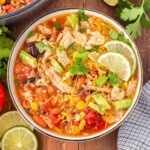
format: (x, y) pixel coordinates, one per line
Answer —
(83, 95)
(2, 96)
(28, 88)
(27, 69)
(39, 121)
(22, 76)
(99, 126)
(91, 121)
(47, 106)
(42, 94)
(77, 123)
(18, 68)
(90, 114)
(55, 120)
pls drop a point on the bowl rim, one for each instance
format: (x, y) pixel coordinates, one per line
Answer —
(77, 138)
(19, 11)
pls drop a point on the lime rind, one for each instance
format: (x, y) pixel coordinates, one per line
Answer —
(110, 65)
(11, 119)
(111, 2)
(28, 130)
(131, 51)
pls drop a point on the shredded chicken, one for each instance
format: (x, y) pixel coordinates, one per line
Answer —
(131, 87)
(79, 38)
(84, 24)
(57, 80)
(94, 56)
(117, 93)
(88, 87)
(63, 58)
(67, 40)
(32, 74)
(45, 56)
(33, 38)
(41, 82)
(44, 29)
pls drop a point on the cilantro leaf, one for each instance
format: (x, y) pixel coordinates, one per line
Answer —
(42, 47)
(71, 47)
(113, 79)
(82, 56)
(123, 39)
(4, 53)
(82, 30)
(30, 34)
(81, 49)
(94, 48)
(57, 26)
(147, 6)
(113, 34)
(134, 29)
(60, 48)
(8, 43)
(145, 22)
(78, 67)
(131, 14)
(81, 15)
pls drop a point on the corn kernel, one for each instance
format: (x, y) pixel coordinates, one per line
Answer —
(80, 105)
(74, 100)
(125, 85)
(82, 124)
(34, 106)
(2, 2)
(75, 129)
(82, 115)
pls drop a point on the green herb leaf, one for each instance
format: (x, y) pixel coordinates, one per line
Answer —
(60, 48)
(123, 39)
(102, 68)
(81, 15)
(113, 79)
(9, 43)
(82, 49)
(113, 34)
(57, 26)
(4, 53)
(71, 47)
(82, 30)
(145, 22)
(30, 34)
(100, 81)
(78, 67)
(94, 48)
(42, 47)
(147, 6)
(82, 56)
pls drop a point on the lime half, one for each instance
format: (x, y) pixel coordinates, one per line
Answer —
(111, 2)
(19, 138)
(126, 50)
(11, 119)
(117, 63)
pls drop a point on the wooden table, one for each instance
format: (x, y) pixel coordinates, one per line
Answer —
(105, 143)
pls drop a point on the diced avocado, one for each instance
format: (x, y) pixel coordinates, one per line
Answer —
(28, 59)
(73, 20)
(83, 56)
(100, 81)
(100, 109)
(101, 100)
(60, 48)
(122, 104)
(57, 66)
(43, 47)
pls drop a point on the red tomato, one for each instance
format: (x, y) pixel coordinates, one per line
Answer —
(2, 96)
(55, 120)
(18, 68)
(39, 121)
(99, 126)
(42, 94)
(90, 114)
(47, 106)
(22, 76)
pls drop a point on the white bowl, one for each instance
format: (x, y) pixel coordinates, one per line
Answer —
(16, 101)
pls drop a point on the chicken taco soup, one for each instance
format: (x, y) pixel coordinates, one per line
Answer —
(75, 74)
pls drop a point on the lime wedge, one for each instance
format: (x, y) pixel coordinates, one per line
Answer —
(126, 50)
(117, 63)
(111, 2)
(11, 119)
(19, 138)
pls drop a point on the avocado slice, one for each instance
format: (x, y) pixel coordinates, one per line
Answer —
(57, 66)
(73, 20)
(101, 100)
(100, 109)
(100, 81)
(122, 104)
(28, 59)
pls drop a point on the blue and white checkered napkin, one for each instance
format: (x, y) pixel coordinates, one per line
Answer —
(134, 134)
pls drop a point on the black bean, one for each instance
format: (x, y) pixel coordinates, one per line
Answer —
(30, 80)
(8, 2)
(34, 51)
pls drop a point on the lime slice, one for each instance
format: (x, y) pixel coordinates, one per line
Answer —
(111, 2)
(11, 119)
(19, 138)
(117, 63)
(126, 50)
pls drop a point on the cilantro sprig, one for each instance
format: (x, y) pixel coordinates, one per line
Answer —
(134, 16)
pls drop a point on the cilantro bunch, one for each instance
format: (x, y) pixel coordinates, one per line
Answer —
(6, 44)
(135, 17)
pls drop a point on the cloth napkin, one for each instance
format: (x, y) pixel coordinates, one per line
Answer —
(134, 133)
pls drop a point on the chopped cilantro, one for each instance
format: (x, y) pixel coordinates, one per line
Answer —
(83, 56)
(94, 48)
(102, 68)
(81, 15)
(82, 49)
(57, 26)
(30, 34)
(43, 47)
(60, 48)
(113, 79)
(82, 30)
(123, 39)
(71, 47)
(78, 67)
